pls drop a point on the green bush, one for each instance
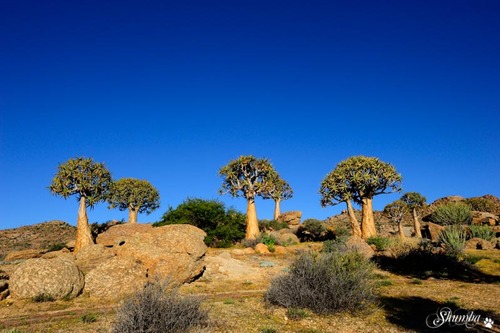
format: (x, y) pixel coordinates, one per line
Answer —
(381, 243)
(224, 227)
(313, 230)
(41, 298)
(155, 309)
(325, 283)
(481, 231)
(89, 318)
(452, 214)
(481, 205)
(269, 241)
(56, 247)
(453, 238)
(265, 225)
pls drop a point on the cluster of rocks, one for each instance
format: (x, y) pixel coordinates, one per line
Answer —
(123, 259)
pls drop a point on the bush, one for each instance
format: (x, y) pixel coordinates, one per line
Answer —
(269, 241)
(41, 298)
(481, 205)
(224, 227)
(325, 283)
(56, 247)
(481, 231)
(452, 214)
(157, 310)
(89, 318)
(313, 230)
(381, 243)
(453, 238)
(265, 225)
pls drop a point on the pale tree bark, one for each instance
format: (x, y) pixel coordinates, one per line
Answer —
(368, 222)
(356, 229)
(277, 211)
(401, 230)
(132, 215)
(83, 234)
(252, 224)
(416, 224)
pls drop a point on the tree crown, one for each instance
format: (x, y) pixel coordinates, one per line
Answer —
(135, 194)
(246, 176)
(414, 199)
(358, 178)
(396, 210)
(278, 188)
(82, 177)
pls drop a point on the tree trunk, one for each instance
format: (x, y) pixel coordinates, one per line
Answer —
(368, 222)
(356, 229)
(132, 215)
(252, 223)
(83, 234)
(401, 230)
(416, 224)
(276, 209)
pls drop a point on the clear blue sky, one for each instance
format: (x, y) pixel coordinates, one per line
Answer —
(170, 91)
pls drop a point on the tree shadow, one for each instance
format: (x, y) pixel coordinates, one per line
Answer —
(423, 264)
(415, 312)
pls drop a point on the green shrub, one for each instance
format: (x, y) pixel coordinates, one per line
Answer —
(381, 243)
(56, 247)
(89, 318)
(313, 230)
(40, 298)
(325, 283)
(296, 314)
(224, 227)
(453, 238)
(265, 225)
(481, 205)
(155, 309)
(481, 231)
(269, 241)
(452, 214)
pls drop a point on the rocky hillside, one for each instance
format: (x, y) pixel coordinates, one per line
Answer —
(37, 236)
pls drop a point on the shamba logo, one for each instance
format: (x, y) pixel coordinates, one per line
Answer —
(459, 317)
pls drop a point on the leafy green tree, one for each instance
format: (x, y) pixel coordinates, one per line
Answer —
(247, 177)
(89, 181)
(396, 211)
(278, 190)
(415, 201)
(224, 227)
(138, 196)
(360, 178)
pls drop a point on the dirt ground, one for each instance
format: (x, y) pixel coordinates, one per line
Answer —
(233, 288)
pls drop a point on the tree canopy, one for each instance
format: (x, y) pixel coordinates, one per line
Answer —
(134, 194)
(82, 177)
(414, 199)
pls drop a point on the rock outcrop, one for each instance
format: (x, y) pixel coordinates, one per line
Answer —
(291, 218)
(58, 278)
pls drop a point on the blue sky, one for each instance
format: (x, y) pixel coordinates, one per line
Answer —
(172, 91)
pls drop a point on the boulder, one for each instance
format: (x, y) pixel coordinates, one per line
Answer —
(58, 278)
(484, 218)
(432, 231)
(173, 251)
(262, 249)
(115, 278)
(92, 256)
(56, 254)
(357, 244)
(291, 218)
(479, 244)
(24, 255)
(278, 249)
(285, 238)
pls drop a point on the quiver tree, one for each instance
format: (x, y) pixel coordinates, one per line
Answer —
(138, 196)
(89, 181)
(396, 211)
(278, 190)
(247, 177)
(360, 178)
(415, 201)
(334, 190)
